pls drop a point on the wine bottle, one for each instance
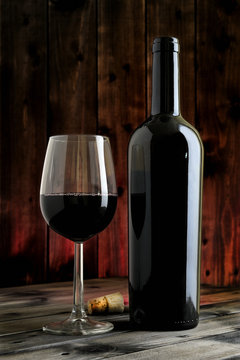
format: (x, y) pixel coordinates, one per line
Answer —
(165, 166)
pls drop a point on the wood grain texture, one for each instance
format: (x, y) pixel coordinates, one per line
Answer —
(216, 337)
(23, 141)
(38, 304)
(218, 100)
(85, 67)
(73, 104)
(121, 104)
(175, 18)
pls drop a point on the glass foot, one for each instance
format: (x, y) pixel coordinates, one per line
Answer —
(83, 326)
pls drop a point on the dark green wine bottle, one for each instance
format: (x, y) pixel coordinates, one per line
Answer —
(165, 166)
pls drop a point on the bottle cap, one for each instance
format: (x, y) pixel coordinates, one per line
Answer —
(166, 43)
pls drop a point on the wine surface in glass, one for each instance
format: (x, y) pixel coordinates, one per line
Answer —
(78, 216)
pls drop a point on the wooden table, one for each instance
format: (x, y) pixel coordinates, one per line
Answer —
(23, 311)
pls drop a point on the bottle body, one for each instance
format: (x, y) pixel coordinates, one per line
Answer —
(165, 192)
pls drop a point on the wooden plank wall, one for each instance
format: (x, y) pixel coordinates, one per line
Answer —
(121, 65)
(85, 67)
(23, 250)
(72, 103)
(218, 111)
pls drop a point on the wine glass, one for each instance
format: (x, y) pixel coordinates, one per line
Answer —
(78, 198)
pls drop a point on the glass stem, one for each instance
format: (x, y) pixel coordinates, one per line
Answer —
(78, 311)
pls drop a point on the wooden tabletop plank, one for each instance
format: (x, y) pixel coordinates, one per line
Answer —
(23, 311)
(118, 342)
(199, 349)
(19, 302)
(48, 300)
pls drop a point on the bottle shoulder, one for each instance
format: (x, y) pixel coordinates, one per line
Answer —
(186, 124)
(165, 125)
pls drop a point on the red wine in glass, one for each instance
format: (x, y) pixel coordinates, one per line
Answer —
(78, 199)
(78, 216)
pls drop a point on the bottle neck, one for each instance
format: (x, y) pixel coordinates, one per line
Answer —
(165, 83)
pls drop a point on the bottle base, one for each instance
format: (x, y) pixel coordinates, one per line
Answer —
(165, 326)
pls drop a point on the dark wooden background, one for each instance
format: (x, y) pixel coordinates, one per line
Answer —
(74, 66)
